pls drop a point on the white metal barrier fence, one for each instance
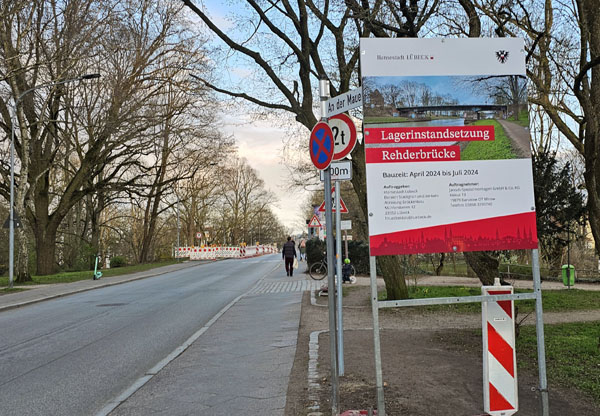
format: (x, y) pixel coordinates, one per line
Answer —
(232, 252)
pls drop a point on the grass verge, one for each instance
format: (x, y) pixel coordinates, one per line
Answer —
(572, 355)
(68, 277)
(552, 300)
(498, 149)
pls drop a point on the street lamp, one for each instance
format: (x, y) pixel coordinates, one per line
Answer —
(11, 218)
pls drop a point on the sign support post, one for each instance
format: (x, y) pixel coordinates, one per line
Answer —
(338, 265)
(376, 340)
(324, 95)
(539, 329)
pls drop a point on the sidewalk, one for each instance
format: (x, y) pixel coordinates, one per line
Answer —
(40, 293)
(240, 365)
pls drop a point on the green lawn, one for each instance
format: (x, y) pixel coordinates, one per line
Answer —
(523, 119)
(572, 355)
(387, 119)
(552, 300)
(67, 277)
(500, 148)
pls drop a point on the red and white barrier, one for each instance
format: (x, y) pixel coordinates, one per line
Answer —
(500, 394)
(212, 253)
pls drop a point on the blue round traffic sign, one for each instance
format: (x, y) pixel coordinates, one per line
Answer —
(321, 145)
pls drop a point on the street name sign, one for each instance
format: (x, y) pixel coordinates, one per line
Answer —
(344, 102)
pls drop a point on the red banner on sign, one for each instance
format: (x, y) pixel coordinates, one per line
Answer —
(412, 154)
(512, 232)
(387, 135)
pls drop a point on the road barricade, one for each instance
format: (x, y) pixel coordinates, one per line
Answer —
(223, 252)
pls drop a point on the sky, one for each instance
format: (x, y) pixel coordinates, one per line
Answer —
(260, 142)
(262, 145)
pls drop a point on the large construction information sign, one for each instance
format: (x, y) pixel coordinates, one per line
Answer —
(447, 145)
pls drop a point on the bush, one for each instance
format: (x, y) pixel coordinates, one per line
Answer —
(314, 250)
(358, 253)
(118, 261)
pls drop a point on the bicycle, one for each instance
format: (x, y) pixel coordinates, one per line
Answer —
(318, 270)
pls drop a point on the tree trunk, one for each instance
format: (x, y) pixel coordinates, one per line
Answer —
(440, 267)
(46, 253)
(484, 265)
(149, 227)
(391, 266)
(393, 276)
(22, 274)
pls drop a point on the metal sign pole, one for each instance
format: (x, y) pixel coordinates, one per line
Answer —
(324, 94)
(346, 243)
(539, 327)
(376, 341)
(338, 258)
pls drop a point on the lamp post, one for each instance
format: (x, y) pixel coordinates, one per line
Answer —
(177, 226)
(11, 218)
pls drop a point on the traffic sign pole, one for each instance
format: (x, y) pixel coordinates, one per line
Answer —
(324, 95)
(338, 259)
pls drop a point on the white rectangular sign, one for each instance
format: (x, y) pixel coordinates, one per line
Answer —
(340, 171)
(346, 225)
(344, 102)
(448, 163)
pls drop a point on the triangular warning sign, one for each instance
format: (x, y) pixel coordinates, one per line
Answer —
(314, 222)
(343, 208)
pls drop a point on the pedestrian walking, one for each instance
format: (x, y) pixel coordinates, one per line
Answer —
(288, 253)
(302, 248)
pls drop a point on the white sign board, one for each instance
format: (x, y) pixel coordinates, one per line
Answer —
(344, 102)
(455, 176)
(346, 225)
(340, 171)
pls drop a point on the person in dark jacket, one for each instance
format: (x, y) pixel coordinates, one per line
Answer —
(288, 253)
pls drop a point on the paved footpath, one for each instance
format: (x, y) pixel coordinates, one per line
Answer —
(240, 365)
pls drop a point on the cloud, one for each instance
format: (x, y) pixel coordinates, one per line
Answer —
(262, 145)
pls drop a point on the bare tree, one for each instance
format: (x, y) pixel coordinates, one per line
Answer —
(243, 197)
(109, 135)
(321, 42)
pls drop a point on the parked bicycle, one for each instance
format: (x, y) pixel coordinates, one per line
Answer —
(318, 270)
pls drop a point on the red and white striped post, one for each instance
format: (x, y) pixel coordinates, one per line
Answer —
(500, 394)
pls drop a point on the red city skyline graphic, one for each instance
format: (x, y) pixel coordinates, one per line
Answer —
(512, 232)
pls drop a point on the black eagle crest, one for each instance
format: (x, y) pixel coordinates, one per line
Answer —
(502, 56)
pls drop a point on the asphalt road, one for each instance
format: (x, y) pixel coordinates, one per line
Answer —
(72, 355)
